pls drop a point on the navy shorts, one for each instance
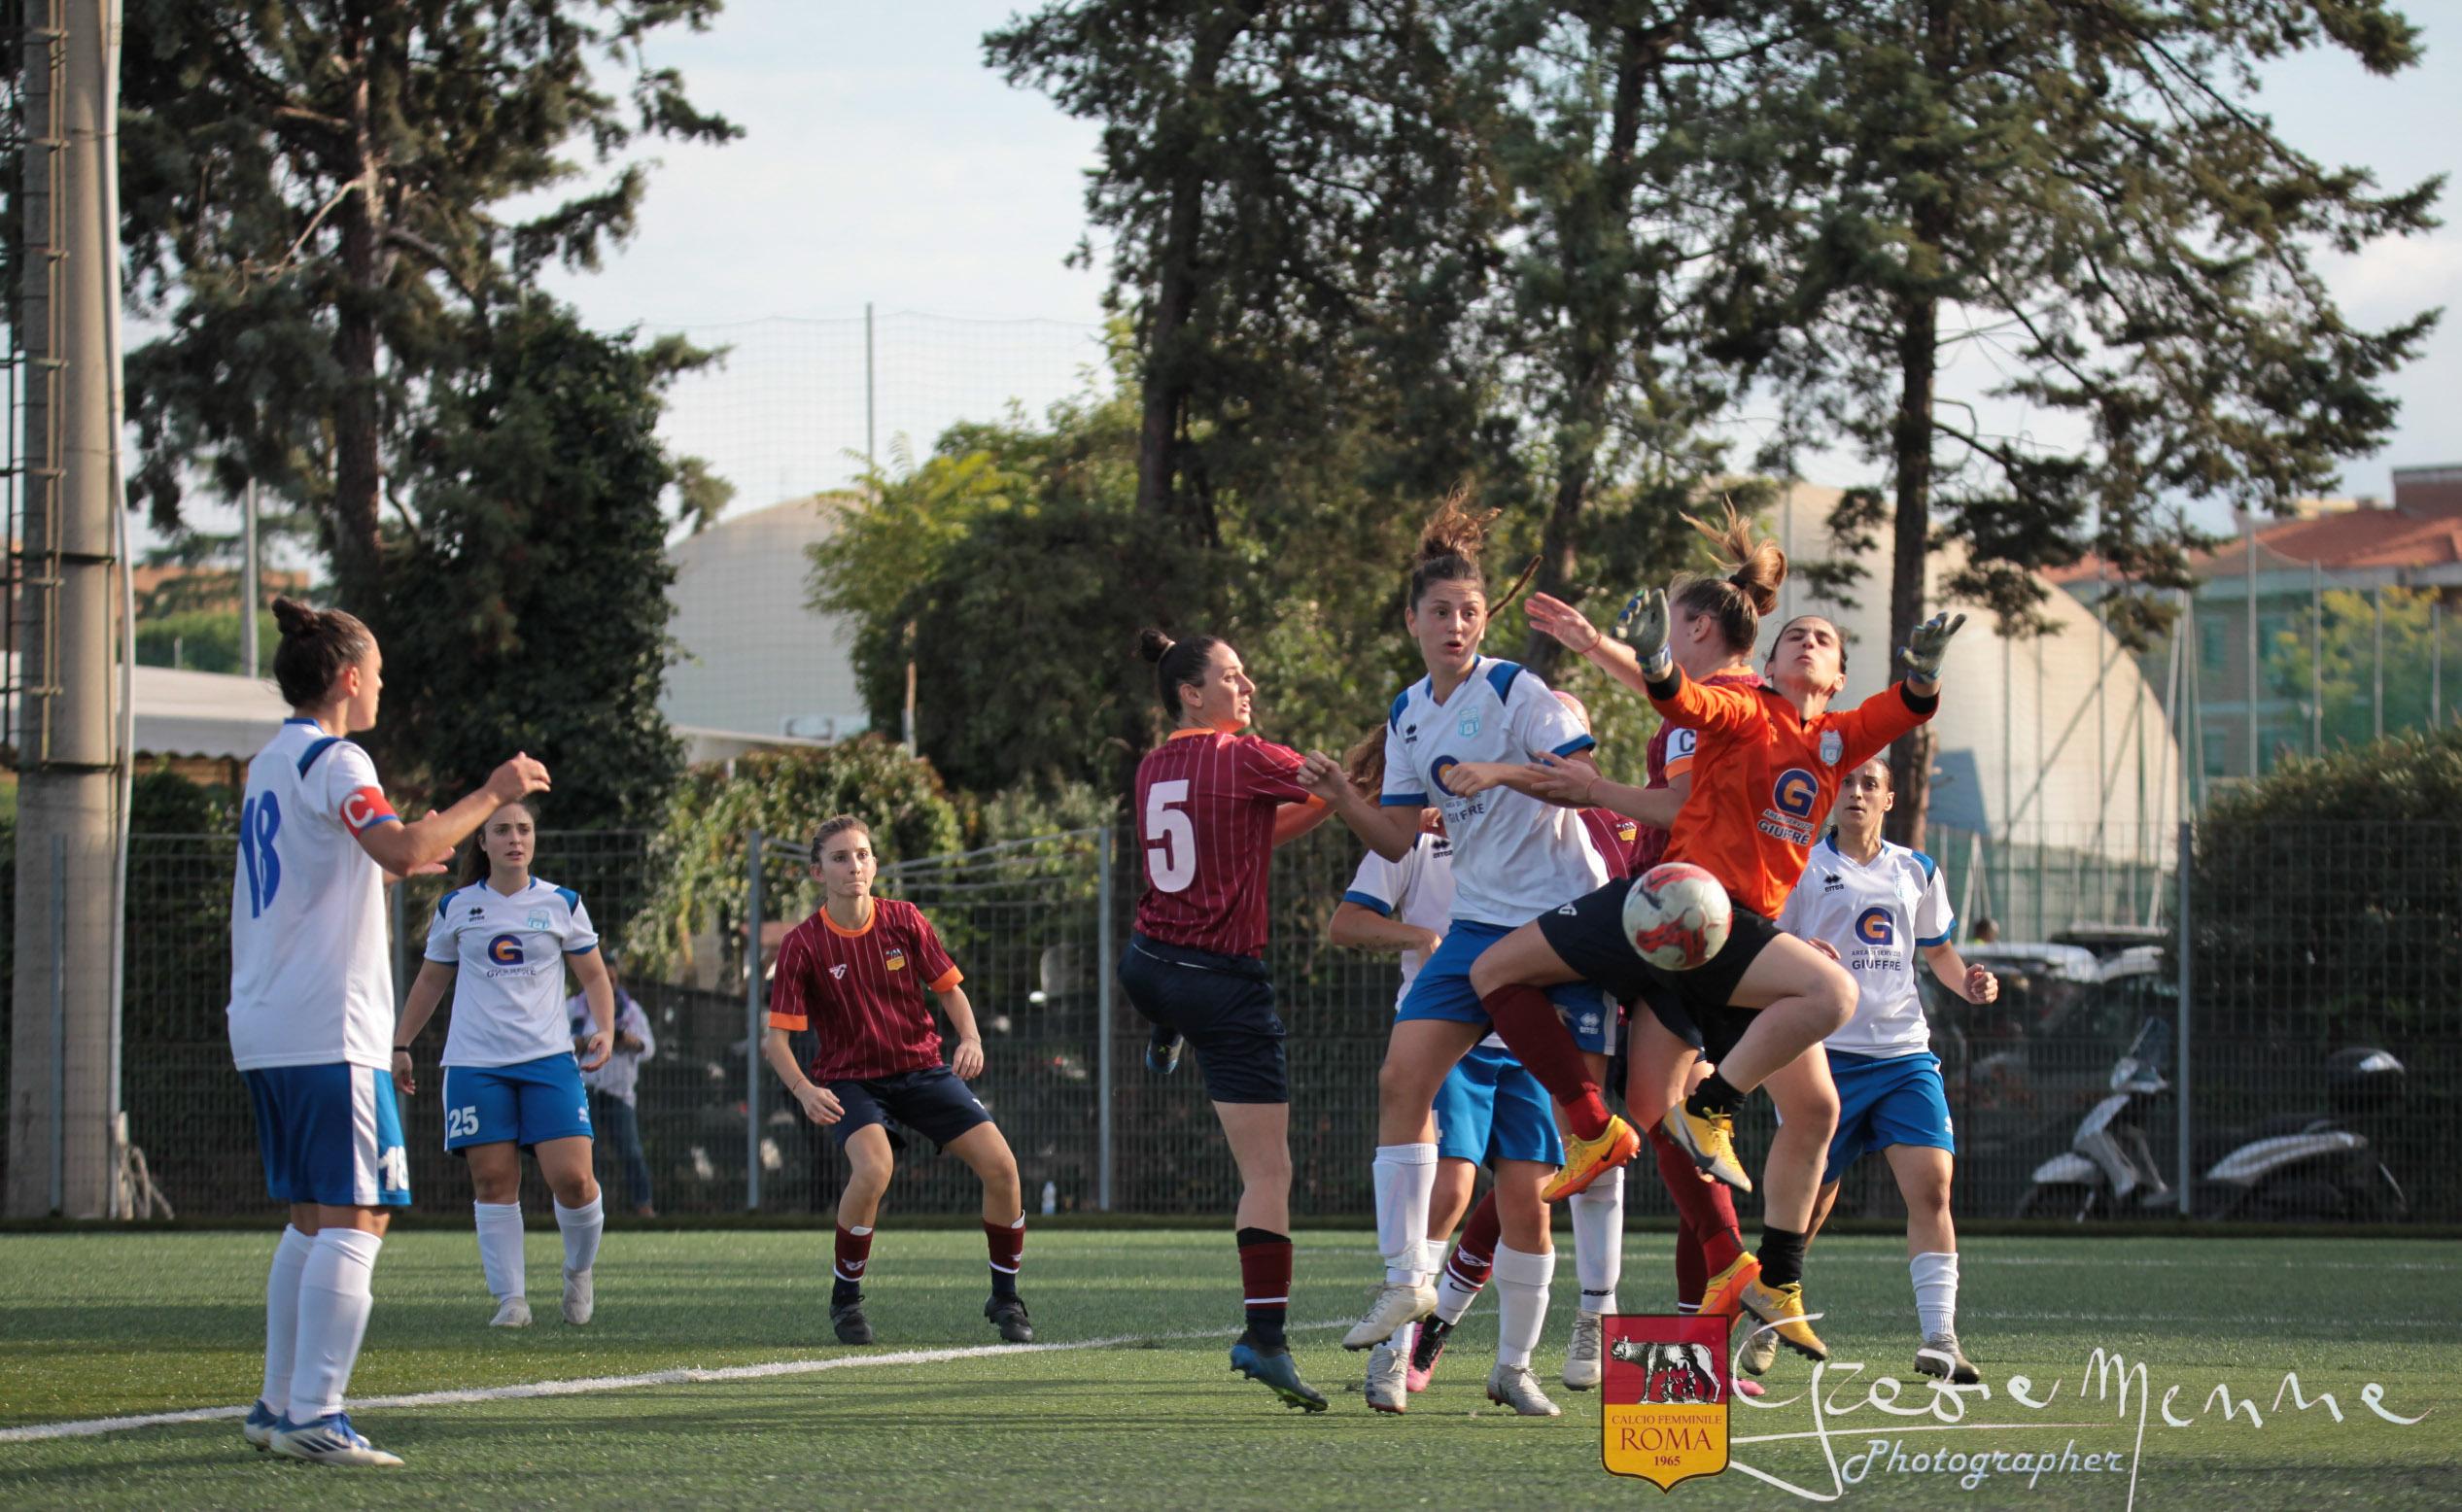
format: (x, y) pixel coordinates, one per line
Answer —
(527, 1104)
(1587, 934)
(330, 1134)
(1898, 1099)
(1223, 1005)
(932, 1102)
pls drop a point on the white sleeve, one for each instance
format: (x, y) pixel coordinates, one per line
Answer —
(580, 939)
(348, 791)
(1791, 916)
(1404, 788)
(1379, 885)
(445, 942)
(1934, 919)
(1539, 720)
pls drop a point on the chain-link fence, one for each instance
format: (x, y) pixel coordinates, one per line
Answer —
(2312, 945)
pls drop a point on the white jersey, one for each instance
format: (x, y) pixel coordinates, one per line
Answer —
(1515, 857)
(1418, 890)
(1879, 916)
(311, 977)
(508, 998)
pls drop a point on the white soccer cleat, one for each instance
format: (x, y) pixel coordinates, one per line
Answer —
(330, 1440)
(1584, 1352)
(511, 1313)
(1514, 1387)
(1387, 1378)
(1396, 1305)
(1941, 1358)
(1760, 1349)
(581, 1296)
(258, 1426)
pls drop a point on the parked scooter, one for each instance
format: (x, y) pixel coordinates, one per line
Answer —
(2110, 1167)
(2317, 1164)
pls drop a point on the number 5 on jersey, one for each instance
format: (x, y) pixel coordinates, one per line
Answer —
(1170, 838)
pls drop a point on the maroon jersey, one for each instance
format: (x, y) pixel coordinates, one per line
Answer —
(1619, 839)
(1671, 757)
(1205, 812)
(861, 993)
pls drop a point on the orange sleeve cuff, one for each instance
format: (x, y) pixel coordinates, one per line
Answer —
(947, 980)
(786, 1021)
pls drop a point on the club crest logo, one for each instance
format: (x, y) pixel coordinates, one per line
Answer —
(895, 960)
(538, 921)
(1469, 727)
(1831, 747)
(1663, 1399)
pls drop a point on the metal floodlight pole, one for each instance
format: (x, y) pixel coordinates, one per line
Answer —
(2186, 982)
(2316, 659)
(2256, 758)
(753, 1025)
(871, 411)
(2376, 696)
(1106, 948)
(248, 590)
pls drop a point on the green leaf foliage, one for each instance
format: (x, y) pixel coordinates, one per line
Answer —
(699, 854)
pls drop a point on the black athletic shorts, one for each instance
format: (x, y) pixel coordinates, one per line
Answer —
(1587, 934)
(1223, 1005)
(931, 1102)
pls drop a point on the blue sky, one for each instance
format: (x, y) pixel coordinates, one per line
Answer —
(884, 163)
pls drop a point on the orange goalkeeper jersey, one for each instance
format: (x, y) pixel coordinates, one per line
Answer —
(1762, 779)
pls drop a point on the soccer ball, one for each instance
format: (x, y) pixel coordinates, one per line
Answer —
(1677, 916)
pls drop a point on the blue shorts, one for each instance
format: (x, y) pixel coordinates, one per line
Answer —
(1897, 1100)
(1491, 1109)
(526, 1103)
(932, 1102)
(330, 1134)
(1443, 989)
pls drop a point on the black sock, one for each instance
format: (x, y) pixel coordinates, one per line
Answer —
(845, 1293)
(1714, 1095)
(1003, 1283)
(1781, 1256)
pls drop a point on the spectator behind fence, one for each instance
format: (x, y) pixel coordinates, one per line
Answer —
(1987, 932)
(613, 1087)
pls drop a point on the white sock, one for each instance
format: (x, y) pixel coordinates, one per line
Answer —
(281, 1315)
(1454, 1296)
(581, 1227)
(500, 1226)
(1521, 1302)
(1598, 1239)
(334, 1296)
(1406, 1180)
(1935, 1290)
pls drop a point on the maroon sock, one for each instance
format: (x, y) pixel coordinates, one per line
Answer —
(1265, 1283)
(1705, 1207)
(1538, 1039)
(1007, 1244)
(854, 1252)
(1693, 1272)
(1474, 1256)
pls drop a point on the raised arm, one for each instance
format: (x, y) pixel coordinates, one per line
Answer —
(1389, 830)
(404, 849)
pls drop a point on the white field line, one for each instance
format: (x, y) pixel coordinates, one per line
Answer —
(1658, 1244)
(681, 1376)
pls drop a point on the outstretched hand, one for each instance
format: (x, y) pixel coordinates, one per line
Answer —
(1927, 644)
(1568, 626)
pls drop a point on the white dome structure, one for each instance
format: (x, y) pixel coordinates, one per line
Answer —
(755, 659)
(2054, 749)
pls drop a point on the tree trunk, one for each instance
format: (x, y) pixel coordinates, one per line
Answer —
(1601, 218)
(1168, 362)
(1911, 442)
(359, 477)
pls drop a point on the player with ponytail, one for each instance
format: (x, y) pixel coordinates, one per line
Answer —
(1211, 804)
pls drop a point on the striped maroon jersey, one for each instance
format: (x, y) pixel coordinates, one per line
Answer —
(1619, 839)
(862, 992)
(1205, 812)
(1671, 757)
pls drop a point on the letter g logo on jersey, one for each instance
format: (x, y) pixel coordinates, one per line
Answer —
(1794, 792)
(505, 950)
(1437, 772)
(1874, 927)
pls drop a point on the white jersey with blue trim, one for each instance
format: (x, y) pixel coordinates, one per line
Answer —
(311, 979)
(1880, 915)
(1514, 856)
(509, 996)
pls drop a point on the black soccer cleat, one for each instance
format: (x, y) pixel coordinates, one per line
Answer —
(1008, 1316)
(1163, 1052)
(849, 1320)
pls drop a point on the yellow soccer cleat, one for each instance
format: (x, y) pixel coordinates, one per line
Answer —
(1711, 1143)
(1783, 1309)
(1588, 1160)
(1723, 1297)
